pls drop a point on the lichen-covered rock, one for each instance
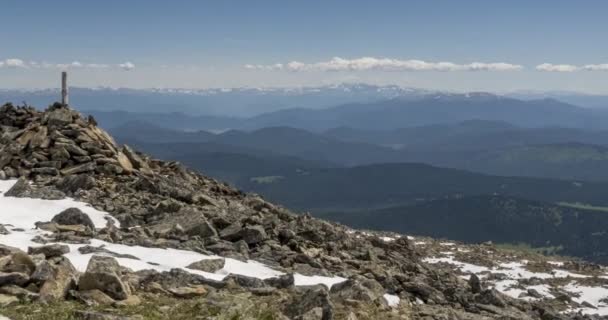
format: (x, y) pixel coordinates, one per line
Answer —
(359, 289)
(19, 261)
(23, 189)
(19, 189)
(188, 292)
(73, 183)
(91, 315)
(202, 229)
(92, 297)
(104, 274)
(208, 265)
(310, 302)
(253, 234)
(61, 280)
(58, 117)
(49, 251)
(79, 168)
(8, 300)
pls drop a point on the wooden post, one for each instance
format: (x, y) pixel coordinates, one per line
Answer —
(64, 88)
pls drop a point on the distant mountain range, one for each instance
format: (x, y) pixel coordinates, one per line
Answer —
(230, 102)
(249, 102)
(386, 115)
(576, 98)
(482, 146)
(433, 109)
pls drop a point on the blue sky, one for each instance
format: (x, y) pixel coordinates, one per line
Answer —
(202, 44)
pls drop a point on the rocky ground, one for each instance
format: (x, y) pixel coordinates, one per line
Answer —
(569, 286)
(93, 230)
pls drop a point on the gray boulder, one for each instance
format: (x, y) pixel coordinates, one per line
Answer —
(310, 303)
(104, 274)
(253, 234)
(359, 288)
(16, 278)
(18, 261)
(59, 281)
(19, 189)
(73, 216)
(80, 168)
(244, 281)
(23, 189)
(44, 271)
(232, 232)
(281, 282)
(208, 265)
(59, 117)
(203, 229)
(8, 300)
(73, 183)
(49, 251)
(475, 284)
(92, 315)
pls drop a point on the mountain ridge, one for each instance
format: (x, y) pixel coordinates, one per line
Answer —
(153, 199)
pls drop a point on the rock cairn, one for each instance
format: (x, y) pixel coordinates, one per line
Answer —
(59, 142)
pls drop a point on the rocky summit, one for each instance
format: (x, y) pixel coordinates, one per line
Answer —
(125, 236)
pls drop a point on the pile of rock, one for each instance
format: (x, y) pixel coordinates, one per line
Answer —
(45, 275)
(58, 142)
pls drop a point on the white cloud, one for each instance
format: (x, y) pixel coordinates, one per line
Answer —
(571, 68)
(548, 67)
(127, 66)
(13, 63)
(385, 64)
(596, 67)
(97, 66)
(277, 66)
(18, 63)
(73, 65)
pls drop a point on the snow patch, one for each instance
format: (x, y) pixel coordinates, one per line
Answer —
(591, 295)
(25, 212)
(462, 266)
(515, 271)
(302, 280)
(392, 300)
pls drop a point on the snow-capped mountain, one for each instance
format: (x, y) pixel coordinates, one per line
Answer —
(241, 102)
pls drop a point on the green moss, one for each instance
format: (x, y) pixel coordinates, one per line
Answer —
(220, 306)
(152, 307)
(526, 248)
